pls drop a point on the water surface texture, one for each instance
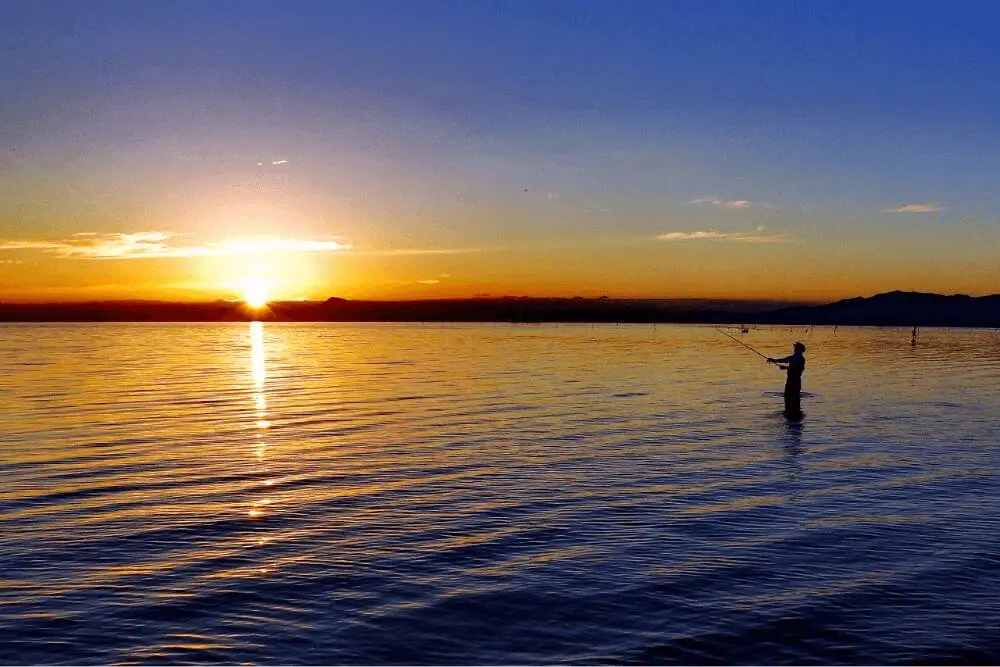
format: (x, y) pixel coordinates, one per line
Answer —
(317, 493)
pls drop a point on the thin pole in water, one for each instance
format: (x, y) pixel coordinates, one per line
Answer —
(741, 343)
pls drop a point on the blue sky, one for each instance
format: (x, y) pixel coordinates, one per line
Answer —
(581, 124)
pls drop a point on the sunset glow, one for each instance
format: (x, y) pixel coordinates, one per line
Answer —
(597, 161)
(458, 332)
(256, 292)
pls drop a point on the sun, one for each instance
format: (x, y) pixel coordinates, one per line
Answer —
(256, 292)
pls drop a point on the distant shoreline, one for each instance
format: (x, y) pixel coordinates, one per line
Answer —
(900, 309)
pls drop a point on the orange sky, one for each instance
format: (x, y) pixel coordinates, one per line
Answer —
(180, 267)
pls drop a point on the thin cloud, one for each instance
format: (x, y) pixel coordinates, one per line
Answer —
(688, 236)
(30, 245)
(755, 236)
(156, 244)
(721, 203)
(150, 245)
(917, 208)
(434, 281)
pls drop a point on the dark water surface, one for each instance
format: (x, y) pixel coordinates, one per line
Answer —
(314, 493)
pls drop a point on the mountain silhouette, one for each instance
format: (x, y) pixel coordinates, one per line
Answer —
(893, 309)
(889, 309)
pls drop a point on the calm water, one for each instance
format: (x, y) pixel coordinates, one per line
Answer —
(495, 494)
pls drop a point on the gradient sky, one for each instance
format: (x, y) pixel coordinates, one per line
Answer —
(385, 149)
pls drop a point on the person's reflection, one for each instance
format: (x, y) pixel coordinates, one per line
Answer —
(792, 441)
(791, 446)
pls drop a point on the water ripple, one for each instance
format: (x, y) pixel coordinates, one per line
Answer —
(589, 494)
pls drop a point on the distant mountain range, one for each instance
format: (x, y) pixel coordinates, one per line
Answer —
(889, 309)
(894, 309)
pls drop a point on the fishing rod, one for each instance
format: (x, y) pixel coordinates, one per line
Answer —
(764, 356)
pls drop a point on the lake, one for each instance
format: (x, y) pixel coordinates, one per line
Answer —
(495, 493)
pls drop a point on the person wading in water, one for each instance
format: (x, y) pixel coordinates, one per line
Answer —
(793, 384)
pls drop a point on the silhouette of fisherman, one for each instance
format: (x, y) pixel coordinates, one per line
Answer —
(796, 363)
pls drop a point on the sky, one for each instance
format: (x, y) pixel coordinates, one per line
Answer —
(382, 149)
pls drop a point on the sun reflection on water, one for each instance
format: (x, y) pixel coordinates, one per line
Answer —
(258, 372)
(257, 365)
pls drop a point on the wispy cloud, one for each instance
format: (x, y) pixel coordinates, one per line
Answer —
(155, 244)
(690, 236)
(721, 203)
(755, 236)
(434, 281)
(916, 208)
(148, 245)
(30, 245)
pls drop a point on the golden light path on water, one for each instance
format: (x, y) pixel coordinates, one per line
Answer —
(258, 371)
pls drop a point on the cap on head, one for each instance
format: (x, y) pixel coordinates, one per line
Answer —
(799, 347)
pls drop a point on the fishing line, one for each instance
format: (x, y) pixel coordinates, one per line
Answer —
(764, 356)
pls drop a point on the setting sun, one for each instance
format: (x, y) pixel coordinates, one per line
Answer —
(256, 292)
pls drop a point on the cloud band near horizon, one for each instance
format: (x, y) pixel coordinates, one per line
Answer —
(156, 244)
